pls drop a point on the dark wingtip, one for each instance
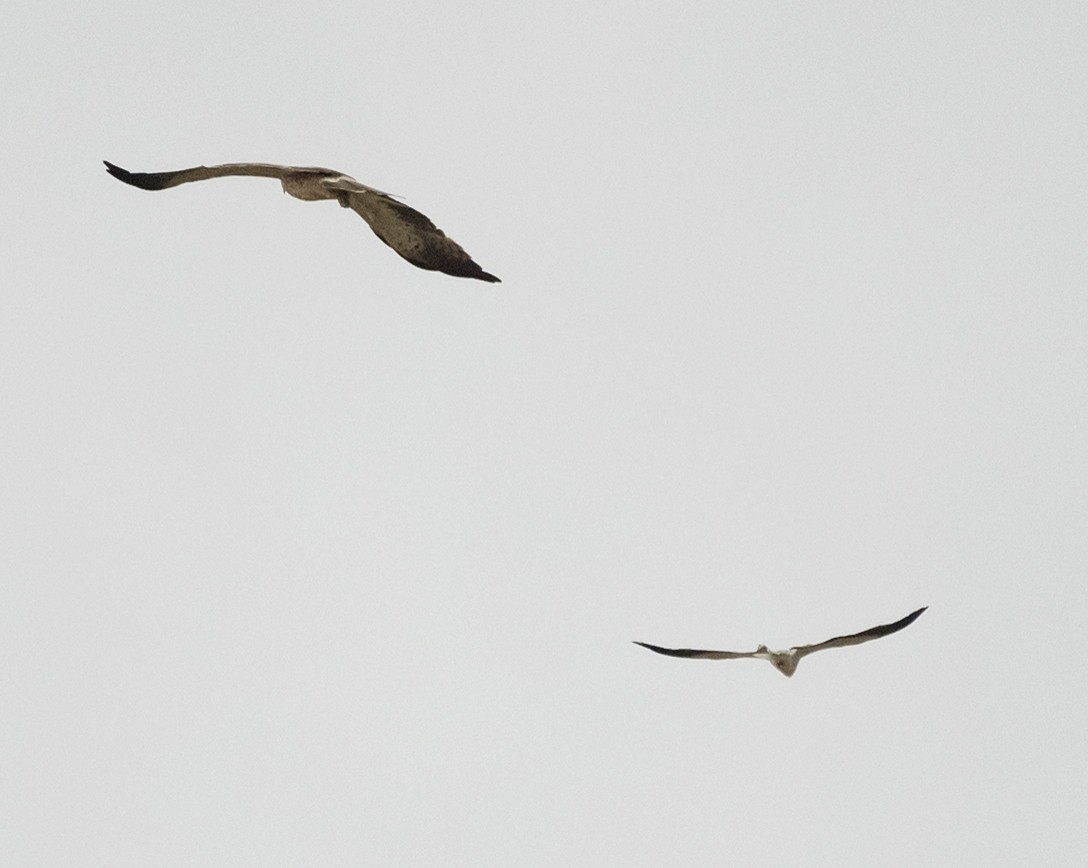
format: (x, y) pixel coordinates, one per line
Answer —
(463, 269)
(118, 172)
(909, 619)
(143, 180)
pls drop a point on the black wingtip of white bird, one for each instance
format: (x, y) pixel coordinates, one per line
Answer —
(786, 661)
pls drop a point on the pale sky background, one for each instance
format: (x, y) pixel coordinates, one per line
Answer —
(312, 558)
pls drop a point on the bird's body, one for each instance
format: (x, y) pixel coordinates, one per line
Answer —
(786, 661)
(407, 231)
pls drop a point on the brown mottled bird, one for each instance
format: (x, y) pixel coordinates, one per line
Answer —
(786, 661)
(408, 232)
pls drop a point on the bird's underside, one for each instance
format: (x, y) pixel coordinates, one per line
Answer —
(410, 233)
(786, 661)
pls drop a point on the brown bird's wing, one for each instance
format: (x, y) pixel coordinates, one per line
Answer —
(705, 655)
(412, 234)
(864, 636)
(163, 180)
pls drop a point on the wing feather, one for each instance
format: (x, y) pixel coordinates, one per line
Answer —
(413, 235)
(165, 180)
(864, 636)
(691, 652)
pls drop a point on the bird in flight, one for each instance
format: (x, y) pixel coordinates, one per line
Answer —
(408, 232)
(786, 661)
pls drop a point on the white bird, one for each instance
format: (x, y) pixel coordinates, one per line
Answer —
(408, 232)
(786, 661)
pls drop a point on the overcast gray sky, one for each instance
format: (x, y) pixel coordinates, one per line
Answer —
(310, 557)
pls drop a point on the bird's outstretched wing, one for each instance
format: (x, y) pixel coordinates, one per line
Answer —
(864, 636)
(413, 235)
(705, 655)
(164, 180)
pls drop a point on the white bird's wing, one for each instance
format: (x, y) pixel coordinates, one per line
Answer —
(705, 655)
(857, 638)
